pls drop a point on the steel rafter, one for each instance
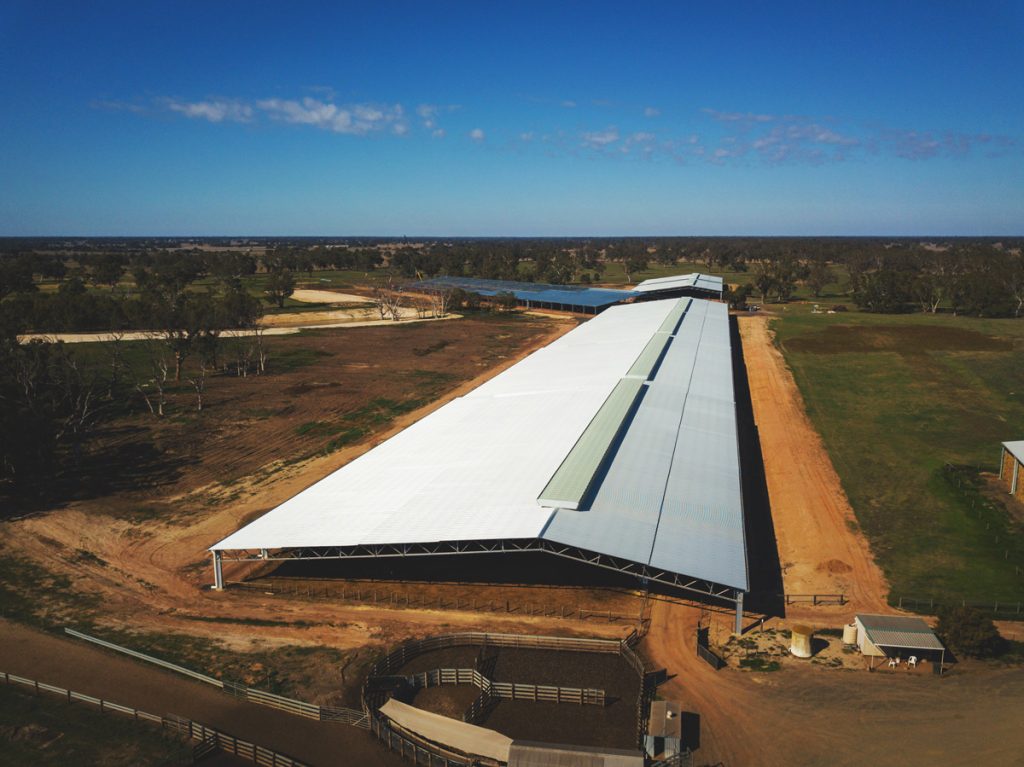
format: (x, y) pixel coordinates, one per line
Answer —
(366, 551)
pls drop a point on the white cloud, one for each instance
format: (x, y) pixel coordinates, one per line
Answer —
(214, 111)
(651, 112)
(356, 119)
(477, 134)
(527, 136)
(569, 104)
(600, 139)
(749, 117)
(438, 133)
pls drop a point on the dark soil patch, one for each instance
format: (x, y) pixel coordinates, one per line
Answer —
(451, 701)
(903, 339)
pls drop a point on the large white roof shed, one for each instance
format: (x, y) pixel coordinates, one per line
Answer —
(615, 444)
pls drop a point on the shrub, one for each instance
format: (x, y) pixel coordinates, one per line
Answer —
(967, 631)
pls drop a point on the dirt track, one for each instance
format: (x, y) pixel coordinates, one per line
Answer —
(820, 548)
(86, 669)
(815, 716)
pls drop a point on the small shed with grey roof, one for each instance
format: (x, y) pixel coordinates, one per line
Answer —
(664, 730)
(897, 636)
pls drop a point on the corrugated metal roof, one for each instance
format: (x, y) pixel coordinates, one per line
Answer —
(668, 496)
(1016, 449)
(574, 295)
(464, 737)
(900, 631)
(696, 281)
(526, 754)
(665, 720)
(671, 496)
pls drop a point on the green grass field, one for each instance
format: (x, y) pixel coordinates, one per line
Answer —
(896, 398)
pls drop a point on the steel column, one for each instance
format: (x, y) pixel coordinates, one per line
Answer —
(739, 613)
(218, 572)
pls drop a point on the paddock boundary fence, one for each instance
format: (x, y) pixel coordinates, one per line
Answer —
(208, 737)
(815, 599)
(1011, 610)
(349, 716)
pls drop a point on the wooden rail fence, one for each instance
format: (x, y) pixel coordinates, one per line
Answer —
(508, 690)
(390, 733)
(815, 599)
(250, 694)
(208, 737)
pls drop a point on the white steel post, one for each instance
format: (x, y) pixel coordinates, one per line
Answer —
(218, 572)
(1016, 476)
(739, 613)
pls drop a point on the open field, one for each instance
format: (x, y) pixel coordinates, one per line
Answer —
(897, 397)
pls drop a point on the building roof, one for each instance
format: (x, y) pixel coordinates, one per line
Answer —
(900, 631)
(647, 453)
(461, 736)
(695, 281)
(526, 754)
(541, 292)
(665, 720)
(1016, 449)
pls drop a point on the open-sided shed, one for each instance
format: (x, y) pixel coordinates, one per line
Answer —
(897, 636)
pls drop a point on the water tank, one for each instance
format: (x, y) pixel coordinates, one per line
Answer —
(800, 644)
(850, 634)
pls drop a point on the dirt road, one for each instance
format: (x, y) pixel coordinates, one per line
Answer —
(819, 716)
(820, 547)
(92, 671)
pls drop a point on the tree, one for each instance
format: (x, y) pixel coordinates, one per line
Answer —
(280, 284)
(818, 276)
(968, 631)
(108, 269)
(764, 279)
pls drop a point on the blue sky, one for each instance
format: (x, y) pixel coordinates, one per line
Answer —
(511, 119)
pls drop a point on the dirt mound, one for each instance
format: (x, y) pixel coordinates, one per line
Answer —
(833, 566)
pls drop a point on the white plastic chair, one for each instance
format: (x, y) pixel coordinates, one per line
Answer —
(894, 662)
(912, 661)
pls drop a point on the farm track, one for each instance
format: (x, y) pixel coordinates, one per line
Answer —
(820, 547)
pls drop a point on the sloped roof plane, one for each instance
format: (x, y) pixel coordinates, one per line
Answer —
(655, 478)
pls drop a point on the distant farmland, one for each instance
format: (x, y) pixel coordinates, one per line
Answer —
(896, 398)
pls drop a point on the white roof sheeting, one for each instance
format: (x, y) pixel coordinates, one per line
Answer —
(462, 736)
(473, 469)
(1016, 449)
(698, 281)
